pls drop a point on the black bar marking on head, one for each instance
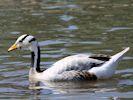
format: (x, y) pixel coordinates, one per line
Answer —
(33, 39)
(23, 38)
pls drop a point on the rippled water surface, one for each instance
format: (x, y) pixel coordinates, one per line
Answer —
(66, 27)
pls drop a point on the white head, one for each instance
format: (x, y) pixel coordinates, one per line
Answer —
(24, 41)
(30, 42)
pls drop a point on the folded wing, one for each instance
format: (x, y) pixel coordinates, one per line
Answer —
(80, 62)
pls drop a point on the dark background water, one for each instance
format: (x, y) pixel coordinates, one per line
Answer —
(66, 27)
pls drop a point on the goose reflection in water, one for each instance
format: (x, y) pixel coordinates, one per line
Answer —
(74, 86)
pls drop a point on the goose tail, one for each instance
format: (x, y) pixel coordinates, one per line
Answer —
(108, 68)
(117, 57)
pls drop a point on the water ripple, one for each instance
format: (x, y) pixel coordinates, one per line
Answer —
(66, 18)
(69, 28)
(118, 28)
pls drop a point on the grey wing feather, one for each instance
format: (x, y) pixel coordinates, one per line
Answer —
(82, 73)
(78, 75)
(79, 62)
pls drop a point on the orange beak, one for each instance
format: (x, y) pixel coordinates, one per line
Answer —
(13, 47)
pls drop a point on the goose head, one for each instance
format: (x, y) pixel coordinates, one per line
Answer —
(29, 41)
(24, 41)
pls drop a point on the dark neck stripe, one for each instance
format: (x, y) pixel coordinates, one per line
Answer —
(33, 39)
(33, 58)
(23, 38)
(38, 61)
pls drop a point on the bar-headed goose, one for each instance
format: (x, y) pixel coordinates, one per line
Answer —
(75, 67)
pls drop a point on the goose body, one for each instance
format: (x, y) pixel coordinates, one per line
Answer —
(75, 67)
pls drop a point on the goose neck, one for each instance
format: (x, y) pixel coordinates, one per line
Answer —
(35, 58)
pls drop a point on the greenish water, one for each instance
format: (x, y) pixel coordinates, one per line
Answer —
(66, 27)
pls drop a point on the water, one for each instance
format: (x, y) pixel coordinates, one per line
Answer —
(66, 27)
